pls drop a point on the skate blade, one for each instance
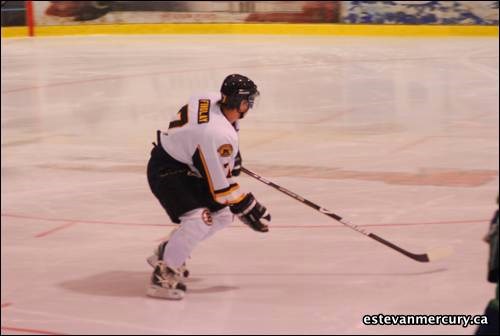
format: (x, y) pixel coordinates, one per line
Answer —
(165, 293)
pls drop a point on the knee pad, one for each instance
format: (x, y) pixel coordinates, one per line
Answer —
(196, 224)
(221, 219)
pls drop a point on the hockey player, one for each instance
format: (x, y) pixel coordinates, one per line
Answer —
(491, 312)
(191, 172)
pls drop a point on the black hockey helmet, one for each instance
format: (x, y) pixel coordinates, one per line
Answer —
(236, 88)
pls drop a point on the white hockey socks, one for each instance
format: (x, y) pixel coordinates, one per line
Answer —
(195, 226)
(221, 219)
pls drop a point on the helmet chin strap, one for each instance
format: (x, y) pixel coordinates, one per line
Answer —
(242, 114)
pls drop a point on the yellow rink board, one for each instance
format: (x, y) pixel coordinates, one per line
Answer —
(259, 28)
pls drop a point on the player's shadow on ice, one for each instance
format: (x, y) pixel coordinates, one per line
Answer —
(131, 284)
(134, 284)
(328, 274)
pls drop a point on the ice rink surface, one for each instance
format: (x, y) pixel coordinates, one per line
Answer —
(399, 136)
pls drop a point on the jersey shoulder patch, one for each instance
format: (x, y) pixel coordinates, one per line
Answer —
(203, 111)
(225, 150)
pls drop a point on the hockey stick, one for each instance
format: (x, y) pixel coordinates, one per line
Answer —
(425, 257)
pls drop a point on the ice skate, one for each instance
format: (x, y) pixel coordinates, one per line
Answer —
(165, 283)
(155, 257)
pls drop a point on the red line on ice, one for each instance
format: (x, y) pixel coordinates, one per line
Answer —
(35, 331)
(46, 233)
(274, 227)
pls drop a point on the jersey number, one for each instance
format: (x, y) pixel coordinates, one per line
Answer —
(182, 120)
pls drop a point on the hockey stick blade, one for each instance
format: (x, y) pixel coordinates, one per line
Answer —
(432, 255)
(425, 257)
(440, 253)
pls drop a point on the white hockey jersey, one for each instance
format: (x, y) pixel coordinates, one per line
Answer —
(207, 142)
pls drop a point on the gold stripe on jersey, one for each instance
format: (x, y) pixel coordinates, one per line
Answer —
(231, 197)
(238, 200)
(206, 171)
(228, 195)
(226, 191)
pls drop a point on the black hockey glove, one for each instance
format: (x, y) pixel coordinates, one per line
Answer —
(237, 165)
(251, 213)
